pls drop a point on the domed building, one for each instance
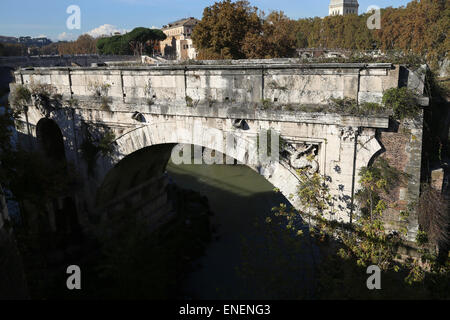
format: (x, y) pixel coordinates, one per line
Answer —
(343, 7)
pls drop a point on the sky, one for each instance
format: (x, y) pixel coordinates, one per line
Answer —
(48, 17)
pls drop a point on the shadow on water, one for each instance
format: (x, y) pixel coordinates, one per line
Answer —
(249, 258)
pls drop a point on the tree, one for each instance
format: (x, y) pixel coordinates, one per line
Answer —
(141, 39)
(302, 40)
(222, 31)
(12, 49)
(138, 41)
(115, 45)
(85, 44)
(276, 38)
(421, 27)
(50, 49)
(235, 30)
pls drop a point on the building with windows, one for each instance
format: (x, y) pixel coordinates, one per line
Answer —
(343, 7)
(178, 45)
(27, 41)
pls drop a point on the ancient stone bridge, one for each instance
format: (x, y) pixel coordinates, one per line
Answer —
(156, 108)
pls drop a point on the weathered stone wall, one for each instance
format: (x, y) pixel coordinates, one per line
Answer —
(245, 85)
(137, 183)
(403, 151)
(444, 68)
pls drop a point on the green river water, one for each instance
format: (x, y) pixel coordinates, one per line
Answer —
(248, 259)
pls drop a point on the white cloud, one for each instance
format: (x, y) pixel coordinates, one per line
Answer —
(67, 36)
(105, 30)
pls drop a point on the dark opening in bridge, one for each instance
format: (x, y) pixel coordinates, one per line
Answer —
(50, 139)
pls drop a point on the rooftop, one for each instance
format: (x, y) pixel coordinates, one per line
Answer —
(182, 22)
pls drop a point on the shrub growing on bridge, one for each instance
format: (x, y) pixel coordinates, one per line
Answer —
(402, 101)
(20, 97)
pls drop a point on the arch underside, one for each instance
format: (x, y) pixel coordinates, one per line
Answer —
(194, 133)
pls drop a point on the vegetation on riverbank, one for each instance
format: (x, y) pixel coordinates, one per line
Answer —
(350, 249)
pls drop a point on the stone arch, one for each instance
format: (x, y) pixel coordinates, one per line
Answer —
(135, 174)
(194, 132)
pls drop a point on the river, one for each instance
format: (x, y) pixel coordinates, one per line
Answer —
(248, 259)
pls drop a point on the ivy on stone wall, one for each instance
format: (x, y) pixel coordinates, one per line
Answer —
(94, 145)
(366, 242)
(20, 98)
(351, 107)
(100, 93)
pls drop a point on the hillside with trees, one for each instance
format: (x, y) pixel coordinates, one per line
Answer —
(237, 30)
(137, 42)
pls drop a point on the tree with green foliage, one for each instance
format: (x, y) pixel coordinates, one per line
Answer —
(115, 45)
(142, 39)
(138, 41)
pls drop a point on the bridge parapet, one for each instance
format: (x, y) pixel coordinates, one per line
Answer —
(247, 86)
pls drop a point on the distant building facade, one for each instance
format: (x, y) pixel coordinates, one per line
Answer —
(343, 7)
(178, 45)
(38, 42)
(27, 41)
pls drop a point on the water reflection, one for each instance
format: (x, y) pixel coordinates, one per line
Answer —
(248, 259)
